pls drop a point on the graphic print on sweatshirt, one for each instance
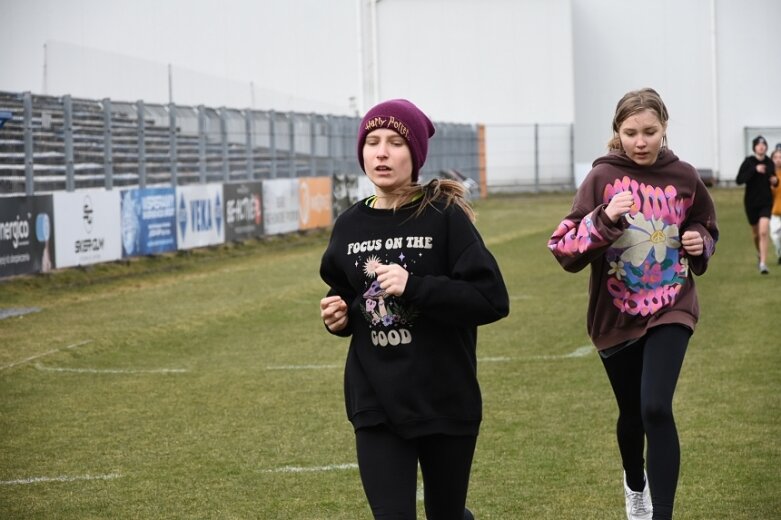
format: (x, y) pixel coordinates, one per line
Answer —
(647, 269)
(389, 318)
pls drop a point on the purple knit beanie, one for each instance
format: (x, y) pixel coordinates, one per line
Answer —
(405, 119)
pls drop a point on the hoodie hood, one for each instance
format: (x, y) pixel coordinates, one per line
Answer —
(619, 159)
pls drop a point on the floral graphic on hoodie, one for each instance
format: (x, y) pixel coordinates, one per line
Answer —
(647, 267)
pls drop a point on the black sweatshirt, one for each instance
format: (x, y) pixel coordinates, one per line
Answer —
(412, 360)
(758, 194)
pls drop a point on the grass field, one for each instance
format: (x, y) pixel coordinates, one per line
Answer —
(202, 385)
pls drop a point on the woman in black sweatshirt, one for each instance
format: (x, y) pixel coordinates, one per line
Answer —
(410, 279)
(758, 173)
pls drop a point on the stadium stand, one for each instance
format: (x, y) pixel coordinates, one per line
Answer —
(63, 143)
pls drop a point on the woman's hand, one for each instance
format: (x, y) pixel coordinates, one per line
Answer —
(333, 310)
(619, 205)
(692, 243)
(392, 278)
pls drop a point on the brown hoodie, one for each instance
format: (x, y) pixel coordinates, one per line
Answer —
(640, 273)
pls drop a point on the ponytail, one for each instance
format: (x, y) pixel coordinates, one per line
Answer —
(448, 191)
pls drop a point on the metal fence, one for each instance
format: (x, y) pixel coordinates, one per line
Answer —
(63, 143)
(530, 157)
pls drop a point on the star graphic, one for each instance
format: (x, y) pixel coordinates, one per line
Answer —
(401, 257)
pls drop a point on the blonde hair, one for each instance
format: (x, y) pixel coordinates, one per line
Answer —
(632, 103)
(445, 190)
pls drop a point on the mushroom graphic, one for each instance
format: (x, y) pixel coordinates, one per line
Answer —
(375, 297)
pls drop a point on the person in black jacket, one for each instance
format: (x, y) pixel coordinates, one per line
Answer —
(410, 280)
(757, 172)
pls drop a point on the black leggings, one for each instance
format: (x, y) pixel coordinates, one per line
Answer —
(388, 465)
(643, 377)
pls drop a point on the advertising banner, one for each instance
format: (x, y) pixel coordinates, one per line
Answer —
(280, 206)
(349, 189)
(87, 229)
(199, 216)
(148, 221)
(26, 238)
(315, 206)
(243, 210)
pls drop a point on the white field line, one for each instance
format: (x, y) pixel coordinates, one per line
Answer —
(301, 367)
(578, 353)
(311, 469)
(40, 480)
(583, 351)
(112, 370)
(53, 351)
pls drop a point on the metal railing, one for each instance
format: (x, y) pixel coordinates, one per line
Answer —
(64, 143)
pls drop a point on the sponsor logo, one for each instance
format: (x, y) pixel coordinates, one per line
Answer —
(16, 231)
(88, 214)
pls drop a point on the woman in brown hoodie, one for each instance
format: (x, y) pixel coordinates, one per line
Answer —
(644, 222)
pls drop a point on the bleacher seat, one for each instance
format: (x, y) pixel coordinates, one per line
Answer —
(5, 116)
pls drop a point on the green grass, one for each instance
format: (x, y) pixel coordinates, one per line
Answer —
(208, 441)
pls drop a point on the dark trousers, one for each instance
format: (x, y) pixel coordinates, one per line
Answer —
(643, 377)
(388, 466)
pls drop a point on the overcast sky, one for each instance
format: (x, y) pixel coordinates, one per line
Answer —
(278, 45)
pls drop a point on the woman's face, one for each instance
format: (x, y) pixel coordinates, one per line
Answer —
(387, 160)
(777, 159)
(760, 150)
(641, 137)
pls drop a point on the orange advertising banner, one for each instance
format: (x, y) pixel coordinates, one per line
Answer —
(316, 207)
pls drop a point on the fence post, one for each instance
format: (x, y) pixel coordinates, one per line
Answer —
(202, 144)
(224, 144)
(293, 172)
(29, 181)
(172, 141)
(141, 114)
(572, 153)
(249, 129)
(481, 161)
(329, 135)
(312, 145)
(536, 157)
(272, 142)
(108, 159)
(67, 108)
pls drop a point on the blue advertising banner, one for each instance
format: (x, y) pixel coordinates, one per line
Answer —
(148, 221)
(26, 235)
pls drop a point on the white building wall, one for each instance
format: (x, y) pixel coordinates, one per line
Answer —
(499, 62)
(749, 76)
(713, 84)
(495, 61)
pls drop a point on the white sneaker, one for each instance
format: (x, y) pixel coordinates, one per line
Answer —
(638, 503)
